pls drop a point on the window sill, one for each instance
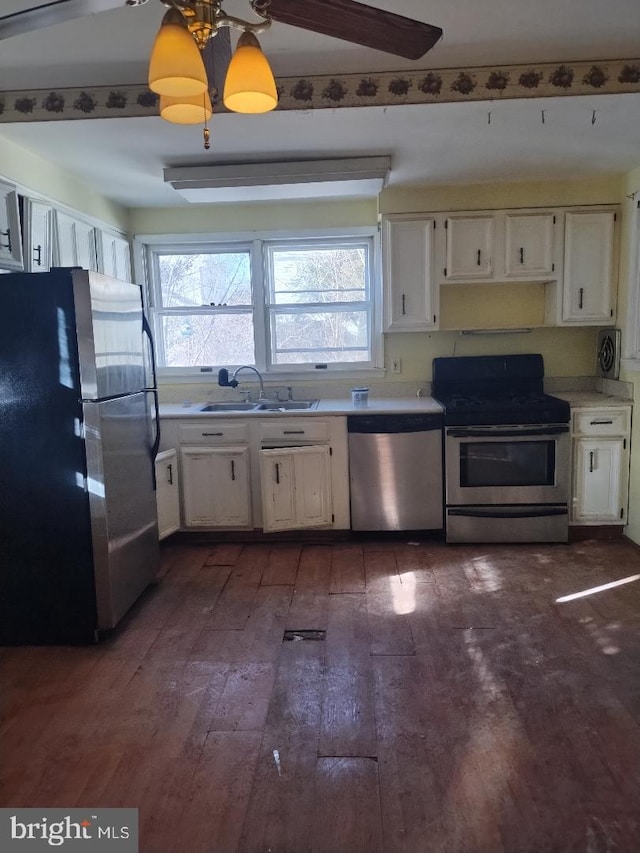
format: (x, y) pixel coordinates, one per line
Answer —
(277, 377)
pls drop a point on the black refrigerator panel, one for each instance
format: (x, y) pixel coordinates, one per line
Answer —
(47, 589)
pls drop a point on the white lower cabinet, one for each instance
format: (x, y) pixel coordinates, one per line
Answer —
(167, 493)
(216, 488)
(600, 466)
(296, 488)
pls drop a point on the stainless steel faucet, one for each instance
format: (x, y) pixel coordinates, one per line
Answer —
(258, 374)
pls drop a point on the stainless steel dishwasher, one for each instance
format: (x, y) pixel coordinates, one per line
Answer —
(395, 471)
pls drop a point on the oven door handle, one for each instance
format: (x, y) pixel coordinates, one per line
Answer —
(495, 512)
(491, 432)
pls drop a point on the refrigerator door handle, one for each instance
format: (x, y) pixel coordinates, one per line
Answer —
(146, 330)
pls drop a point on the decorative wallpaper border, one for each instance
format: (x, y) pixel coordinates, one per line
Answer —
(351, 90)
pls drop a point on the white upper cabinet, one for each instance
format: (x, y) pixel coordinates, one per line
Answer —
(76, 243)
(114, 256)
(588, 291)
(470, 247)
(10, 235)
(410, 296)
(529, 245)
(38, 245)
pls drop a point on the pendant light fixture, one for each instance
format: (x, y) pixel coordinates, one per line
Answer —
(178, 74)
(176, 67)
(249, 86)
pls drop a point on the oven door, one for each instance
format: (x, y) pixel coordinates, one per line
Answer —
(489, 465)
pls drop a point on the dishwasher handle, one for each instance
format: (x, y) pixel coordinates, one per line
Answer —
(394, 423)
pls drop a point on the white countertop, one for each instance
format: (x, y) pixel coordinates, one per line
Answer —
(591, 399)
(328, 406)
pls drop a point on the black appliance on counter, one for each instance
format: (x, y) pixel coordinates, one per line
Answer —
(79, 431)
(507, 450)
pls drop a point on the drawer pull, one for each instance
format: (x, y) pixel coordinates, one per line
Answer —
(479, 261)
(600, 423)
(7, 234)
(277, 467)
(404, 307)
(521, 254)
(205, 434)
(293, 432)
(591, 454)
(37, 255)
(170, 474)
(580, 302)
(233, 470)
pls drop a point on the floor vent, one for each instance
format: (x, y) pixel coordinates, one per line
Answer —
(306, 634)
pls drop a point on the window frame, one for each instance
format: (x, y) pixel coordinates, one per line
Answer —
(148, 248)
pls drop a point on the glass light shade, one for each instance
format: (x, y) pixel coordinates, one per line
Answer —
(191, 109)
(176, 66)
(249, 86)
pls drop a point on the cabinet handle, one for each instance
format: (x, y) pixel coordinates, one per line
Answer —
(521, 254)
(293, 432)
(591, 461)
(404, 311)
(170, 474)
(596, 423)
(233, 469)
(7, 234)
(581, 292)
(479, 257)
(37, 255)
(205, 434)
(277, 467)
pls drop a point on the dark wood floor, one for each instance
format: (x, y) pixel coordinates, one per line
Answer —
(454, 705)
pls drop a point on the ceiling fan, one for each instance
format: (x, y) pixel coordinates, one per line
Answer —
(342, 19)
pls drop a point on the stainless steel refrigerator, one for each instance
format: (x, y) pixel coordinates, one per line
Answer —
(79, 432)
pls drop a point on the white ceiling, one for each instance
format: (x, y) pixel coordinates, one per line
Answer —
(433, 144)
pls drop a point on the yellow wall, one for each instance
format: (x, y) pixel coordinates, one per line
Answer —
(263, 216)
(36, 174)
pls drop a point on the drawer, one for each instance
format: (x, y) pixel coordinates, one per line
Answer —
(214, 431)
(602, 421)
(292, 430)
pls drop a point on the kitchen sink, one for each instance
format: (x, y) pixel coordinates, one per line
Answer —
(228, 407)
(286, 405)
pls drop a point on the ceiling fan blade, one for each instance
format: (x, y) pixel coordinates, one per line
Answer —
(355, 22)
(52, 13)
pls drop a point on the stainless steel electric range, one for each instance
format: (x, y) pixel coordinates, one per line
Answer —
(507, 450)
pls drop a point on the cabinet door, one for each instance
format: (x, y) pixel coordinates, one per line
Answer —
(10, 235)
(529, 244)
(76, 243)
(38, 246)
(296, 488)
(167, 493)
(215, 487)
(410, 298)
(599, 479)
(115, 256)
(588, 267)
(470, 247)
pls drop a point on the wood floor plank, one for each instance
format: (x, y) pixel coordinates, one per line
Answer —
(309, 605)
(347, 791)
(347, 569)
(348, 719)
(224, 554)
(415, 562)
(282, 802)
(282, 567)
(381, 571)
(388, 620)
(236, 600)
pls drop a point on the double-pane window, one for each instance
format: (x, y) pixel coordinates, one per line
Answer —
(276, 304)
